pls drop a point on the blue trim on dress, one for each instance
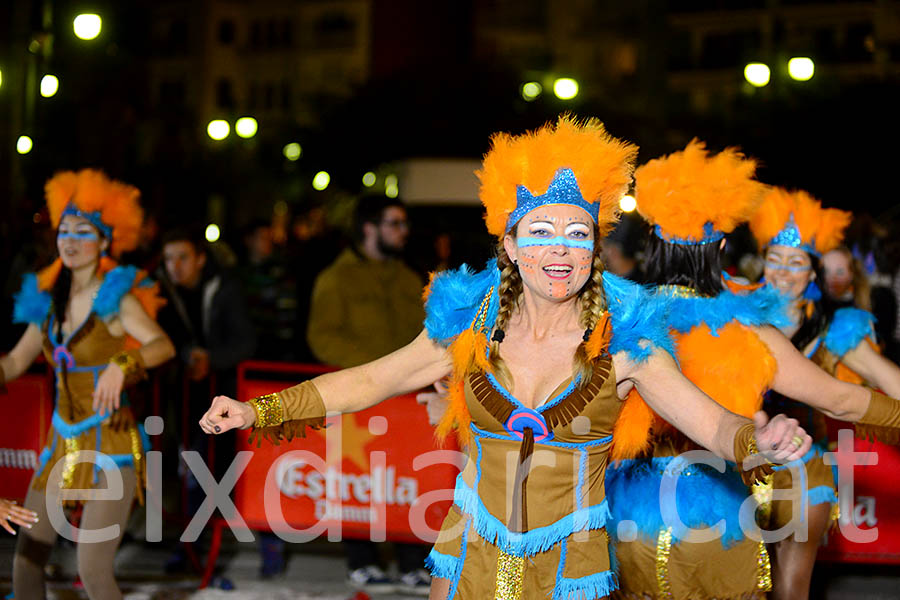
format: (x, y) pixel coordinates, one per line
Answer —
(569, 445)
(73, 430)
(551, 402)
(531, 542)
(589, 587)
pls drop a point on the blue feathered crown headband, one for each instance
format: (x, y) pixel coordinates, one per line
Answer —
(790, 236)
(562, 190)
(93, 217)
(710, 235)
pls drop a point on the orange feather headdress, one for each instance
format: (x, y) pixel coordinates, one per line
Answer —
(693, 197)
(796, 219)
(110, 205)
(519, 172)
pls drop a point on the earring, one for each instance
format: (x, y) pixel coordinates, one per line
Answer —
(516, 262)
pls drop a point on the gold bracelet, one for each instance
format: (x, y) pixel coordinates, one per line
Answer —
(269, 410)
(744, 446)
(131, 364)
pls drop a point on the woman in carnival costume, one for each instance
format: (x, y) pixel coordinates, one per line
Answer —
(541, 346)
(725, 345)
(92, 320)
(794, 231)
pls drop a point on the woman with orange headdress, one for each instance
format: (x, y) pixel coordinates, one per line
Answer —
(725, 344)
(90, 318)
(794, 231)
(541, 346)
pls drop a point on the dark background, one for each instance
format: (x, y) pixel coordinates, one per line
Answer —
(366, 84)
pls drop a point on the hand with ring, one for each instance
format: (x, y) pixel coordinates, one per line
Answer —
(780, 439)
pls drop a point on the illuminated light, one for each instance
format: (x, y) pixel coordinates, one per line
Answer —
(627, 203)
(1, 77)
(369, 179)
(292, 151)
(390, 181)
(531, 90)
(24, 144)
(757, 74)
(218, 129)
(212, 233)
(49, 86)
(565, 88)
(801, 68)
(246, 127)
(87, 26)
(321, 180)
(391, 191)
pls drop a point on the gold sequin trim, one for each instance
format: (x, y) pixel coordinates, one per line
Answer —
(763, 569)
(762, 493)
(679, 291)
(663, 549)
(269, 412)
(68, 476)
(510, 577)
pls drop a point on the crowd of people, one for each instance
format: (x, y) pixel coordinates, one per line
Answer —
(646, 317)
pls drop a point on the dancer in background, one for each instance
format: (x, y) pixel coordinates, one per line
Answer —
(542, 345)
(794, 231)
(726, 346)
(93, 321)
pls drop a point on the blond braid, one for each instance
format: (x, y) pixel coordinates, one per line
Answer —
(509, 292)
(593, 305)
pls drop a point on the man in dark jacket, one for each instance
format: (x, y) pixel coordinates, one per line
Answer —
(209, 325)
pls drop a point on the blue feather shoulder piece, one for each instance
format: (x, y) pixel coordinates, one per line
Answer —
(764, 306)
(116, 283)
(31, 304)
(637, 317)
(848, 328)
(455, 298)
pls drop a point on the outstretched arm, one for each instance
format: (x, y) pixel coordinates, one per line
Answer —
(799, 378)
(20, 358)
(416, 365)
(874, 368)
(707, 423)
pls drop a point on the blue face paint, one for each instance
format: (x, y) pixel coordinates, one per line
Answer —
(82, 236)
(525, 242)
(792, 268)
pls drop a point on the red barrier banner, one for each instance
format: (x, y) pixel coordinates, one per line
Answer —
(376, 474)
(871, 506)
(30, 405)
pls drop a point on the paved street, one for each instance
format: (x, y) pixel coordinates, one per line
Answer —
(316, 571)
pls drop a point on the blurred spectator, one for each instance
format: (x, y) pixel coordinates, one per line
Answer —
(366, 304)
(846, 283)
(271, 294)
(206, 319)
(312, 247)
(622, 247)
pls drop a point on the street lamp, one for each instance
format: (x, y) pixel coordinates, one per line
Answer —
(531, 90)
(49, 86)
(757, 74)
(246, 127)
(87, 26)
(24, 144)
(212, 233)
(801, 68)
(218, 129)
(292, 151)
(321, 180)
(565, 88)
(627, 203)
(369, 179)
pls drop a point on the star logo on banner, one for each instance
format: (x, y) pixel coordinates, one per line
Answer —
(355, 437)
